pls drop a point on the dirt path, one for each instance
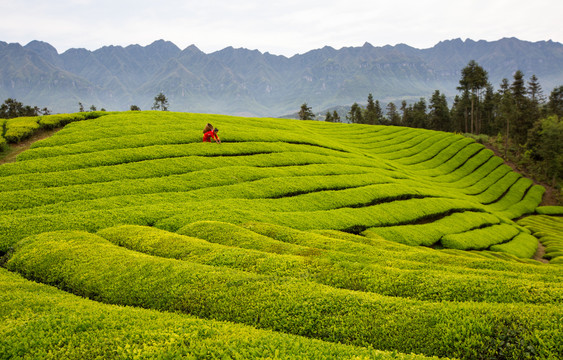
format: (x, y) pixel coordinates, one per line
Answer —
(15, 149)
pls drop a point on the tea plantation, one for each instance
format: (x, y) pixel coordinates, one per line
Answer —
(124, 236)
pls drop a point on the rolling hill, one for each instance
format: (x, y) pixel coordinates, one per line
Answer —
(125, 236)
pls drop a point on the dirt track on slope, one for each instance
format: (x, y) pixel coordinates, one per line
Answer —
(15, 149)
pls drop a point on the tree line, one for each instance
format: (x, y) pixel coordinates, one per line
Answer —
(11, 108)
(525, 124)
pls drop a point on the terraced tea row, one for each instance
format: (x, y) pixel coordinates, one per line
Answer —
(53, 324)
(90, 266)
(549, 229)
(313, 261)
(122, 162)
(132, 209)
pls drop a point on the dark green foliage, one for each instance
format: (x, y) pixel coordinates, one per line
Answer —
(355, 115)
(555, 104)
(305, 113)
(11, 108)
(160, 102)
(439, 115)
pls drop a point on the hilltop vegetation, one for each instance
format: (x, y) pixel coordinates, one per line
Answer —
(290, 239)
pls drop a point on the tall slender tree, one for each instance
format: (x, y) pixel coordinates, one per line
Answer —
(555, 103)
(370, 116)
(507, 110)
(335, 117)
(522, 121)
(473, 79)
(160, 102)
(439, 114)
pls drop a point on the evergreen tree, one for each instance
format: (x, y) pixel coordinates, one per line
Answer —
(490, 106)
(473, 79)
(11, 108)
(328, 117)
(370, 116)
(522, 120)
(160, 102)
(535, 91)
(404, 113)
(507, 111)
(439, 115)
(536, 98)
(555, 103)
(378, 113)
(419, 116)
(306, 113)
(355, 115)
(335, 117)
(393, 116)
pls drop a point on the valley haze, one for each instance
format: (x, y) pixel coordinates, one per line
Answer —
(251, 83)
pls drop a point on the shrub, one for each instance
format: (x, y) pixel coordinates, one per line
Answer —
(480, 238)
(42, 322)
(88, 265)
(19, 129)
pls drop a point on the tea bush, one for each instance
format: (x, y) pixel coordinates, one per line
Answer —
(39, 321)
(90, 266)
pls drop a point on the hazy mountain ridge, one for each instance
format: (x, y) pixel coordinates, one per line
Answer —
(242, 81)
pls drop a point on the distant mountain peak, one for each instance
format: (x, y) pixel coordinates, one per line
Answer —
(242, 81)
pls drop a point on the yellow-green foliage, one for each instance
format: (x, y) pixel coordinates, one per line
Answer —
(90, 266)
(21, 128)
(39, 321)
(291, 226)
(344, 264)
(549, 229)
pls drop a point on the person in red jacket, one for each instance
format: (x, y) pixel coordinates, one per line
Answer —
(212, 134)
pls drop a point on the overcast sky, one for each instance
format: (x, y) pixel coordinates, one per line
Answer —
(285, 27)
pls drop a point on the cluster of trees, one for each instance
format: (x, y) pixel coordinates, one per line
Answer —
(528, 123)
(160, 103)
(11, 108)
(92, 108)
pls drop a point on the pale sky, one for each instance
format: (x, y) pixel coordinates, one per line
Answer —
(285, 27)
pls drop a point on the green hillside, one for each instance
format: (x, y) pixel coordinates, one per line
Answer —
(290, 239)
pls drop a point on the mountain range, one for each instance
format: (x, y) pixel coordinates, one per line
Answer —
(249, 82)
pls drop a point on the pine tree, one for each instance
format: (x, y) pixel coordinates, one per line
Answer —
(335, 117)
(419, 117)
(392, 114)
(439, 115)
(370, 113)
(378, 112)
(355, 115)
(473, 79)
(522, 118)
(160, 102)
(306, 113)
(328, 117)
(555, 104)
(506, 110)
(535, 91)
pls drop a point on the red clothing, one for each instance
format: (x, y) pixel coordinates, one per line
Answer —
(210, 135)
